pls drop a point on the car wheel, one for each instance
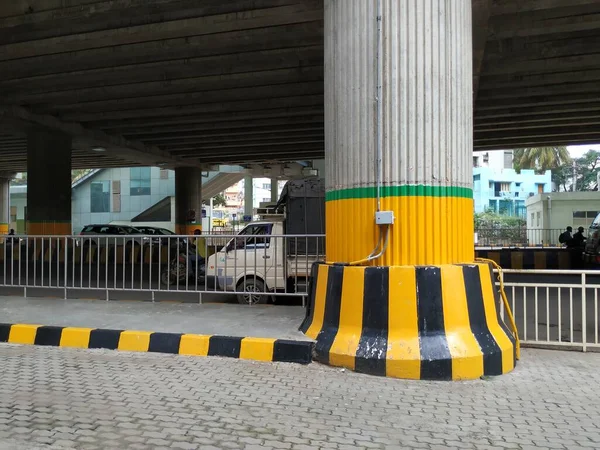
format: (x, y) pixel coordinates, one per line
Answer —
(251, 292)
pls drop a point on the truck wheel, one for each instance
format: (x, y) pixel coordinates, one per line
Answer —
(252, 292)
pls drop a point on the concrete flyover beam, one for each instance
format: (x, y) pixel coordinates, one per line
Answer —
(187, 98)
(303, 34)
(304, 11)
(115, 145)
(164, 71)
(208, 108)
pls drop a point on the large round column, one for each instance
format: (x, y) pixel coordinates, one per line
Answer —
(422, 309)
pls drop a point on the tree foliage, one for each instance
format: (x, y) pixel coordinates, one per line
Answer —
(585, 169)
(219, 200)
(497, 229)
(541, 158)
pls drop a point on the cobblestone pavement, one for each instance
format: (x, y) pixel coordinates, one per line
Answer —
(82, 399)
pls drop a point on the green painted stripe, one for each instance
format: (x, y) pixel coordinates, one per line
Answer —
(400, 191)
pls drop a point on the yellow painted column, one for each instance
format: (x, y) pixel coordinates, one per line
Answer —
(188, 200)
(48, 183)
(403, 299)
(4, 204)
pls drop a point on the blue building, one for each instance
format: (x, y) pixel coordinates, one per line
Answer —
(505, 191)
(498, 187)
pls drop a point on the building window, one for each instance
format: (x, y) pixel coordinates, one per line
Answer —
(100, 196)
(266, 186)
(476, 177)
(583, 218)
(164, 174)
(139, 183)
(508, 160)
(538, 216)
(532, 219)
(540, 188)
(475, 161)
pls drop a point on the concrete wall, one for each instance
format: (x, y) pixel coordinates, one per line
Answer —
(557, 210)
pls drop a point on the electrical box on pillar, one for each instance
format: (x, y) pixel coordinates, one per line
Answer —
(400, 293)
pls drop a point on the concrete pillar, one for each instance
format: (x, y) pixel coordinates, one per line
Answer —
(4, 205)
(188, 200)
(248, 196)
(396, 299)
(48, 183)
(274, 190)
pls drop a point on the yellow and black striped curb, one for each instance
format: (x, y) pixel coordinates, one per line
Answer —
(439, 323)
(257, 349)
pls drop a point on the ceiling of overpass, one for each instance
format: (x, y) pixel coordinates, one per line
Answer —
(206, 81)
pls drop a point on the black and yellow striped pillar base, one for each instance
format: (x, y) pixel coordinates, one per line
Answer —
(415, 322)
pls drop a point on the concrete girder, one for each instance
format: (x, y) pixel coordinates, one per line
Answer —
(187, 98)
(566, 18)
(256, 40)
(164, 71)
(116, 145)
(230, 129)
(102, 15)
(549, 121)
(300, 12)
(279, 137)
(210, 83)
(270, 133)
(235, 118)
(514, 7)
(209, 108)
(481, 15)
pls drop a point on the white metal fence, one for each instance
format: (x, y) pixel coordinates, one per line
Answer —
(555, 308)
(254, 266)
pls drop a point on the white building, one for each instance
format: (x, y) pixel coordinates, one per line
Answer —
(549, 214)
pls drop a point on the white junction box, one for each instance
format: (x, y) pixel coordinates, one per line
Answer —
(384, 217)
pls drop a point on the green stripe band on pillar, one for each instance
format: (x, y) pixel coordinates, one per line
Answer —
(400, 191)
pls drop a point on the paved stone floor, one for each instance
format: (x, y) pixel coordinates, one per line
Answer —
(82, 399)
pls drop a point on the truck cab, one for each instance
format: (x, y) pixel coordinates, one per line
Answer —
(265, 258)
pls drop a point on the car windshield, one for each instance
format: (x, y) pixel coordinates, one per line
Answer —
(164, 231)
(596, 223)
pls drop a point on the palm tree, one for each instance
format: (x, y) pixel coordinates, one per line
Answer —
(541, 158)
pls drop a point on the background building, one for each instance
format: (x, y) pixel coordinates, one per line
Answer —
(497, 186)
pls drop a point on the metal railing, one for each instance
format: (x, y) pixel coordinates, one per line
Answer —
(253, 267)
(517, 237)
(555, 308)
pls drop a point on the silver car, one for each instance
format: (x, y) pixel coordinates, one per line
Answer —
(111, 235)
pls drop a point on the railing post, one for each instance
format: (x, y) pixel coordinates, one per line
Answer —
(583, 311)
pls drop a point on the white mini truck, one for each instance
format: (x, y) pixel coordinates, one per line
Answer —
(275, 255)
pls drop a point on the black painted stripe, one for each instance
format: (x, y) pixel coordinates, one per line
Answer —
(552, 259)
(506, 259)
(436, 360)
(310, 304)
(492, 355)
(292, 351)
(48, 336)
(108, 339)
(227, 346)
(331, 316)
(372, 346)
(164, 343)
(4, 332)
(497, 302)
(529, 259)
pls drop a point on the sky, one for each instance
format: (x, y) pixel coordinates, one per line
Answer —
(577, 151)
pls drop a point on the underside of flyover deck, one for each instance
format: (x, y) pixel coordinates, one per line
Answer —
(201, 82)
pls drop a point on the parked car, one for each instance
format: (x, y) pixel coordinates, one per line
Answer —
(111, 235)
